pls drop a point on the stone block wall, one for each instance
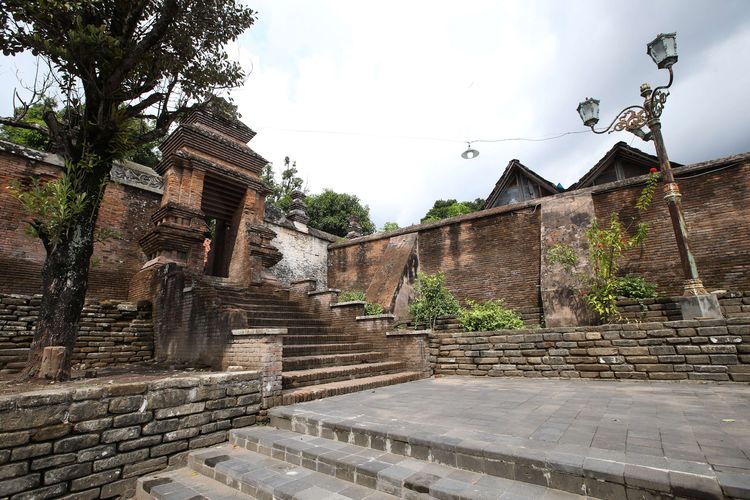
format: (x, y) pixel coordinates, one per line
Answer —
(95, 441)
(733, 304)
(110, 333)
(717, 350)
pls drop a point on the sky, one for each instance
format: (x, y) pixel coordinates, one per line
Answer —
(379, 99)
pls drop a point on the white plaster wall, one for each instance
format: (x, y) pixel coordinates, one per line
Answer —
(305, 256)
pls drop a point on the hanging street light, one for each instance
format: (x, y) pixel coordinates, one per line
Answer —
(470, 152)
(643, 121)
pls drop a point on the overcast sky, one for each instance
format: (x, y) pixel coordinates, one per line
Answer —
(378, 99)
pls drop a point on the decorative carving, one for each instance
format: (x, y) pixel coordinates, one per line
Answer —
(657, 102)
(131, 177)
(355, 229)
(630, 119)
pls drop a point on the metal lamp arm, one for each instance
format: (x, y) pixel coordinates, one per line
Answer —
(627, 119)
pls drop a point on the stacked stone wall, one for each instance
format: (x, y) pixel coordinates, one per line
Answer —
(733, 304)
(110, 333)
(717, 350)
(94, 441)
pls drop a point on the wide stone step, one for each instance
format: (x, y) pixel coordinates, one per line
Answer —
(383, 471)
(312, 349)
(223, 472)
(302, 378)
(317, 339)
(312, 330)
(184, 483)
(293, 363)
(281, 314)
(599, 473)
(291, 396)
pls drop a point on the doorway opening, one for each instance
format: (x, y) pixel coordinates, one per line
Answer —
(222, 205)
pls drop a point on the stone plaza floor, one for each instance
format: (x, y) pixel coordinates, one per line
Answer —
(670, 426)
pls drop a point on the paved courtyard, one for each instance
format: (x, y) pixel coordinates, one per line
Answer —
(655, 424)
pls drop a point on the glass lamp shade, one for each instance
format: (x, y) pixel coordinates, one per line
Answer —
(663, 50)
(589, 111)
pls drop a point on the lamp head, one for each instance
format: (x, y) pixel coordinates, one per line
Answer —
(663, 50)
(589, 111)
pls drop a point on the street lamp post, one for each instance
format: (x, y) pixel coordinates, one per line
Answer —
(663, 50)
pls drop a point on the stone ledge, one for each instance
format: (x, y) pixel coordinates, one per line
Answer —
(259, 331)
(376, 317)
(407, 333)
(349, 303)
(323, 292)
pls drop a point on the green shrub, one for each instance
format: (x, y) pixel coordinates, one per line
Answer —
(357, 296)
(373, 309)
(431, 299)
(635, 287)
(489, 315)
(352, 296)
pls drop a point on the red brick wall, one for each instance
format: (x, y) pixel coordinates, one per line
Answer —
(125, 209)
(494, 256)
(717, 214)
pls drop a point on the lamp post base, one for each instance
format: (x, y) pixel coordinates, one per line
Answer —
(703, 306)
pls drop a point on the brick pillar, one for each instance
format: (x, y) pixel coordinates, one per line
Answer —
(259, 349)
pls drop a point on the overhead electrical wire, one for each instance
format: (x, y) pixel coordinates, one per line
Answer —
(425, 138)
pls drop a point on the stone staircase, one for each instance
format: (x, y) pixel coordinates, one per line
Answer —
(318, 360)
(333, 463)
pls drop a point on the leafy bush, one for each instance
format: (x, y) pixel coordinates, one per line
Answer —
(488, 316)
(352, 296)
(635, 287)
(358, 296)
(431, 299)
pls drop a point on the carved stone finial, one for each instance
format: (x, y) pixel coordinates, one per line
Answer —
(298, 208)
(355, 229)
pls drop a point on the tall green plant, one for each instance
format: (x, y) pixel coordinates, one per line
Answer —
(432, 299)
(606, 246)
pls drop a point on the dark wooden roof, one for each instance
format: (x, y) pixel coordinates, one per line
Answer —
(516, 167)
(638, 162)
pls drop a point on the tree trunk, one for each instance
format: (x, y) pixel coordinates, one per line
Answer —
(65, 280)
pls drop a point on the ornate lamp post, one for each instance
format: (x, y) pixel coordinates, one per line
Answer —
(663, 50)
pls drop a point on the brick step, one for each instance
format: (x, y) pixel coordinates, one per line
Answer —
(309, 393)
(318, 339)
(294, 363)
(385, 472)
(262, 302)
(599, 473)
(312, 330)
(314, 376)
(14, 354)
(223, 473)
(280, 314)
(274, 322)
(313, 349)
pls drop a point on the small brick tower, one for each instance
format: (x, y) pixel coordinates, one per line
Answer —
(211, 216)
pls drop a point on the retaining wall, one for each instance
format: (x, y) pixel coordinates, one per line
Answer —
(716, 350)
(110, 333)
(95, 441)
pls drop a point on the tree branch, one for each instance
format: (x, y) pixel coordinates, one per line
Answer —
(11, 122)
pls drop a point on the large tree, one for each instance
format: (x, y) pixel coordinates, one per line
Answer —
(330, 211)
(442, 209)
(113, 63)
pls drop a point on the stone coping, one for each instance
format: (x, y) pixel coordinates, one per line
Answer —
(349, 303)
(323, 292)
(259, 331)
(374, 317)
(407, 333)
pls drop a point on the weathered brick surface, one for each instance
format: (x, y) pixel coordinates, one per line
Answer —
(125, 209)
(110, 333)
(97, 458)
(656, 351)
(496, 253)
